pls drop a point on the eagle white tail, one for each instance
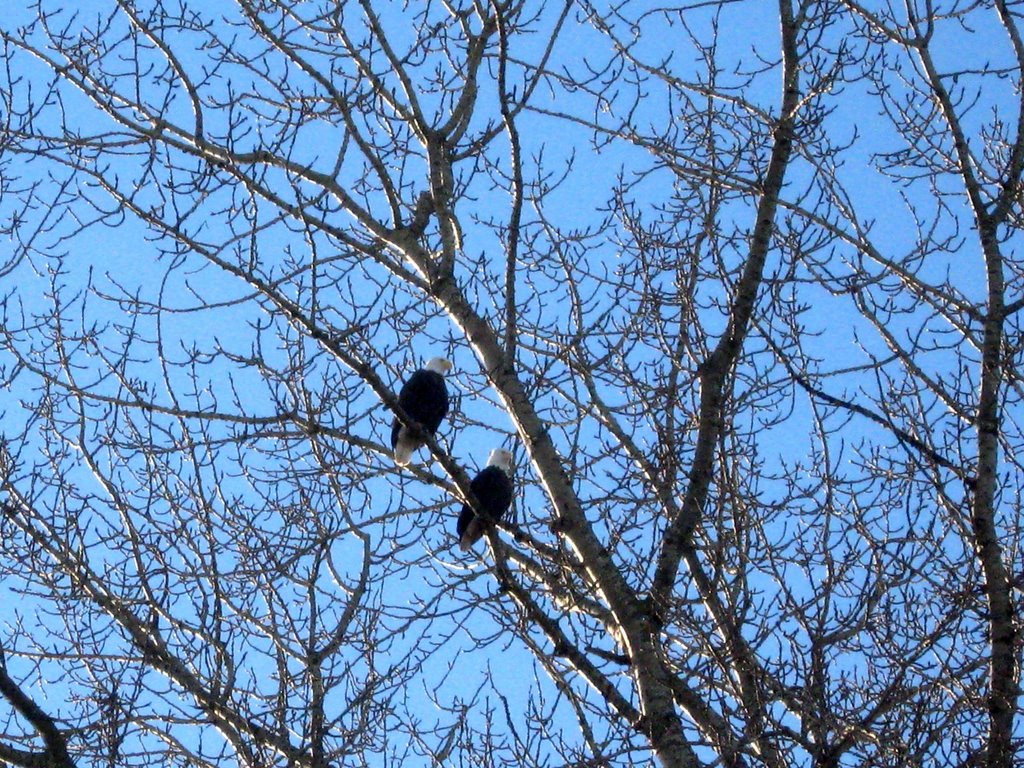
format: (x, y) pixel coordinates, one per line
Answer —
(470, 536)
(404, 448)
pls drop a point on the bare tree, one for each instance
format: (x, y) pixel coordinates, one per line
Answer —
(737, 282)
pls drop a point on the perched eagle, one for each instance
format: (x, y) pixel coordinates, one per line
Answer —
(493, 489)
(425, 398)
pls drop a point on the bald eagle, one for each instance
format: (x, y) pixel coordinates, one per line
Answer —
(493, 488)
(425, 398)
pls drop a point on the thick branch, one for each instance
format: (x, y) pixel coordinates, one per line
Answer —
(661, 722)
(715, 370)
(56, 753)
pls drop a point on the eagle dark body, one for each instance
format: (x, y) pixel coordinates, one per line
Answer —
(493, 488)
(425, 398)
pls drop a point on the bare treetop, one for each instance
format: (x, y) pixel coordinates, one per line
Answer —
(737, 284)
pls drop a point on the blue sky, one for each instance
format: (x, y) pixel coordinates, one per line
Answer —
(226, 352)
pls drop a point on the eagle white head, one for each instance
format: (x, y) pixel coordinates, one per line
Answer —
(439, 365)
(500, 458)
